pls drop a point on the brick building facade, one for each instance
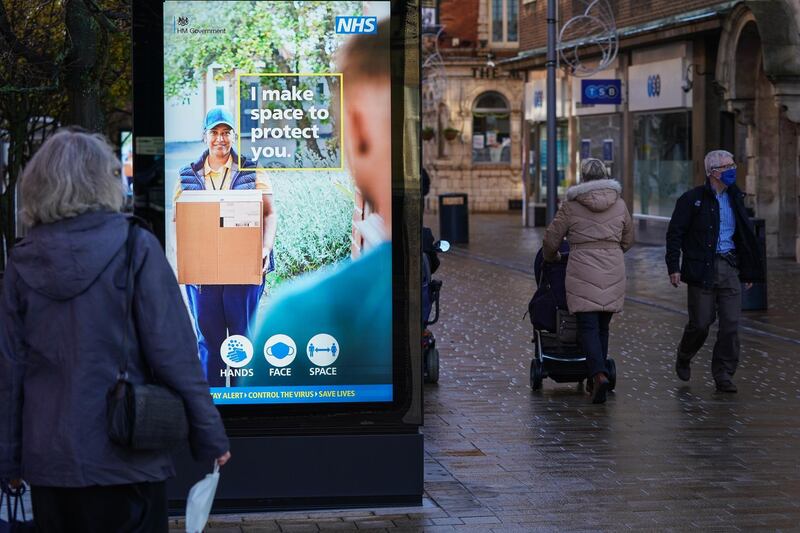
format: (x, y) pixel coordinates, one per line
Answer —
(696, 75)
(471, 109)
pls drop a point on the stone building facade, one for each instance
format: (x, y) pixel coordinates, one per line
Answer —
(696, 75)
(471, 109)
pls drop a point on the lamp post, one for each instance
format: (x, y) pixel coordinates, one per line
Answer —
(552, 185)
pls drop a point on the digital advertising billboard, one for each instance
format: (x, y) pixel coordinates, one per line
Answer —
(278, 202)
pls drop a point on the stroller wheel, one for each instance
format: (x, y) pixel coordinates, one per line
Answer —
(431, 365)
(536, 375)
(612, 373)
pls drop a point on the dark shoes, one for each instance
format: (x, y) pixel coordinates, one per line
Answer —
(683, 368)
(726, 386)
(599, 388)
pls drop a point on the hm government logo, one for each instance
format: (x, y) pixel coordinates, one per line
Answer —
(181, 25)
(350, 25)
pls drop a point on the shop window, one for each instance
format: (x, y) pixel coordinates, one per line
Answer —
(600, 136)
(504, 22)
(662, 165)
(491, 129)
(562, 159)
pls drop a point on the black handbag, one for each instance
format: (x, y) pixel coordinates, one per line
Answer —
(147, 416)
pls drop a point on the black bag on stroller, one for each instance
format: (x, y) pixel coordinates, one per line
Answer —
(551, 292)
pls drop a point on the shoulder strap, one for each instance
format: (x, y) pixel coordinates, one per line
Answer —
(130, 245)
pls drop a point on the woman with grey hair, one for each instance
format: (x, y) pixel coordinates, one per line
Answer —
(62, 322)
(598, 226)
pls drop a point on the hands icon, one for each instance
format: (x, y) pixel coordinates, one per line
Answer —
(236, 352)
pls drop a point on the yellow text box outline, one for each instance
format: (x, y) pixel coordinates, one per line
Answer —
(239, 76)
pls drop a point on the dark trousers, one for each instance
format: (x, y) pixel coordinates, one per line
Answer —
(593, 334)
(134, 508)
(723, 300)
(220, 311)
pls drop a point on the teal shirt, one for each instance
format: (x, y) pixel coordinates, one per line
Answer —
(351, 302)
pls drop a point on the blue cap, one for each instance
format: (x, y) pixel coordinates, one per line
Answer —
(218, 115)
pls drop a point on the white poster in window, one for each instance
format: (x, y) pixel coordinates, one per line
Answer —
(428, 16)
(491, 138)
(478, 142)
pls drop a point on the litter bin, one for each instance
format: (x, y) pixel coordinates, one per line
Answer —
(756, 298)
(454, 218)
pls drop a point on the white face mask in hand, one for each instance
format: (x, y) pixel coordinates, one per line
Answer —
(198, 503)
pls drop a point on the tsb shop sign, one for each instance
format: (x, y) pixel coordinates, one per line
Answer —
(349, 25)
(658, 85)
(601, 92)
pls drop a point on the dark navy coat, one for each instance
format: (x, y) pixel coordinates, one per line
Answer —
(693, 233)
(61, 324)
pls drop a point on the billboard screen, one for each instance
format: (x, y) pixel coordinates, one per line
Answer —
(278, 195)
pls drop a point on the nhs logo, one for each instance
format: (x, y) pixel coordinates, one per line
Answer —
(348, 25)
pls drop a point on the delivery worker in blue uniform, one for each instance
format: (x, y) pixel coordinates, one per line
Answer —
(220, 311)
(350, 301)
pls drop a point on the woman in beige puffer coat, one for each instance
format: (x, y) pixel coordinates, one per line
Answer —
(599, 229)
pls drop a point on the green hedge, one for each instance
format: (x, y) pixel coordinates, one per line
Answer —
(315, 220)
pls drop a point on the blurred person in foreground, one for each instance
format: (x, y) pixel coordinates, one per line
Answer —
(712, 247)
(352, 301)
(62, 317)
(599, 229)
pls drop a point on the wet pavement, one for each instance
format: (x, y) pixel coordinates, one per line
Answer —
(660, 455)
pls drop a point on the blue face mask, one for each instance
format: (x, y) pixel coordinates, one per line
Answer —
(280, 350)
(728, 177)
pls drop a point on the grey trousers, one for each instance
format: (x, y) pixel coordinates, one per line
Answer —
(723, 300)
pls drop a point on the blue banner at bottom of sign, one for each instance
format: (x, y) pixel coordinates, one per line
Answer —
(300, 394)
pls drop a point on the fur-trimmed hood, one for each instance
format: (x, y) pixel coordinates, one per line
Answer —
(596, 195)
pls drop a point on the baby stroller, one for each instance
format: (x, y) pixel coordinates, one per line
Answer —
(558, 354)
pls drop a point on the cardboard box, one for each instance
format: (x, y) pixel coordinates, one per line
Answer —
(219, 237)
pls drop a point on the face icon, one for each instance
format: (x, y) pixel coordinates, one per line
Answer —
(280, 350)
(219, 140)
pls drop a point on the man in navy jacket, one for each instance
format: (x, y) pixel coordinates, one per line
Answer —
(710, 229)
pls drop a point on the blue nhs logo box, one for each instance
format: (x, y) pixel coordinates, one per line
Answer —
(348, 25)
(599, 92)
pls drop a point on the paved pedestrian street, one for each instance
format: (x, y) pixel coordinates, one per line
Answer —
(660, 455)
